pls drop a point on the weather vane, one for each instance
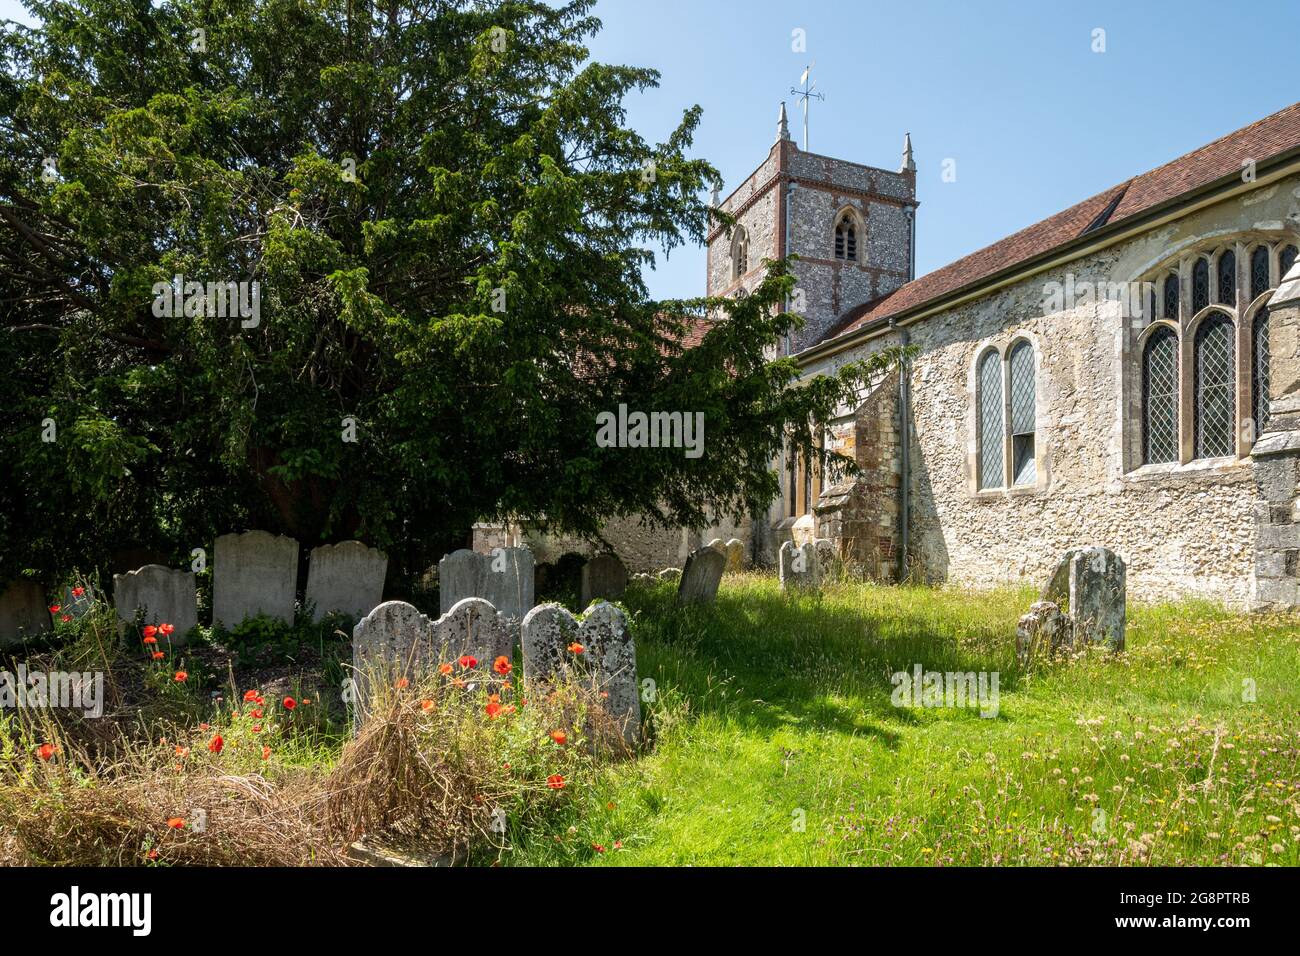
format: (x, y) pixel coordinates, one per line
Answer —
(806, 94)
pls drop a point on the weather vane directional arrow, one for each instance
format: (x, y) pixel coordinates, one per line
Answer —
(806, 94)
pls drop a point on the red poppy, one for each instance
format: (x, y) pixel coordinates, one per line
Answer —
(65, 618)
(151, 639)
(402, 682)
(181, 677)
(444, 668)
(250, 696)
(258, 700)
(467, 661)
(158, 655)
(216, 743)
(256, 713)
(152, 854)
(54, 608)
(176, 823)
(426, 705)
(289, 703)
(618, 844)
(501, 665)
(257, 728)
(560, 737)
(266, 753)
(598, 848)
(149, 631)
(78, 592)
(576, 648)
(166, 629)
(555, 782)
(46, 751)
(493, 709)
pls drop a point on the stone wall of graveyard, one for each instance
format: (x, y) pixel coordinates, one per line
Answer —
(1182, 530)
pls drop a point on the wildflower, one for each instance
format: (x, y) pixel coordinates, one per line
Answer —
(216, 743)
(257, 728)
(65, 618)
(152, 854)
(166, 629)
(618, 844)
(576, 648)
(467, 661)
(289, 703)
(182, 751)
(258, 700)
(444, 668)
(598, 848)
(46, 751)
(250, 696)
(457, 682)
(306, 701)
(204, 726)
(493, 709)
(181, 677)
(256, 713)
(402, 682)
(426, 705)
(176, 823)
(555, 781)
(560, 737)
(158, 655)
(266, 753)
(54, 608)
(501, 665)
(78, 591)
(150, 639)
(149, 632)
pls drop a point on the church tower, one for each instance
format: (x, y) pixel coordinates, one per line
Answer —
(852, 227)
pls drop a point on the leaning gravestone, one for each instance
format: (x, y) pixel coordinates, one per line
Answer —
(346, 578)
(166, 596)
(608, 654)
(735, 555)
(1093, 582)
(23, 612)
(503, 578)
(799, 567)
(701, 576)
(253, 573)
(603, 577)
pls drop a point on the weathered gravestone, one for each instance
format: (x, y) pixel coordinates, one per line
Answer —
(603, 577)
(828, 558)
(346, 578)
(253, 573)
(718, 545)
(1092, 583)
(395, 640)
(166, 595)
(503, 578)
(701, 576)
(23, 612)
(607, 661)
(799, 567)
(735, 555)
(670, 574)
(1043, 630)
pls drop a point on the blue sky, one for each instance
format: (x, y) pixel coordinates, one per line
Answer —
(1013, 92)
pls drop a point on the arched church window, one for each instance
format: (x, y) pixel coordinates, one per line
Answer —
(1286, 260)
(1259, 381)
(1171, 297)
(1160, 397)
(1228, 278)
(989, 402)
(1214, 384)
(1258, 272)
(1200, 284)
(1023, 461)
(846, 238)
(740, 254)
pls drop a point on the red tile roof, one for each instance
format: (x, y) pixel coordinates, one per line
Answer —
(1259, 141)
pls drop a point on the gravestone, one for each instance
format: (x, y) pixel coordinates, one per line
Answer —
(828, 558)
(347, 578)
(603, 577)
(799, 567)
(701, 576)
(253, 573)
(1044, 629)
(735, 555)
(23, 612)
(166, 595)
(474, 627)
(503, 578)
(670, 574)
(718, 545)
(1092, 583)
(608, 660)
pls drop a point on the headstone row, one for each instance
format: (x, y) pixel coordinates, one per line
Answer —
(804, 567)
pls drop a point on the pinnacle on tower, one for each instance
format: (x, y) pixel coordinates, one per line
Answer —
(909, 164)
(782, 126)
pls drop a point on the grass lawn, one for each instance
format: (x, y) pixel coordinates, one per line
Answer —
(775, 740)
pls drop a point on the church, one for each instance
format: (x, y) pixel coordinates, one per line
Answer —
(1108, 376)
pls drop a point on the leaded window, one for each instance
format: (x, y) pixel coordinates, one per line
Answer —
(1228, 278)
(846, 238)
(1023, 466)
(1259, 381)
(1200, 284)
(1259, 279)
(1160, 397)
(740, 254)
(1171, 297)
(1214, 384)
(991, 441)
(1286, 260)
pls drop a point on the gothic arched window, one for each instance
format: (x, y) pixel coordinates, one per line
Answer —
(846, 238)
(1285, 261)
(1259, 381)
(1171, 297)
(1023, 462)
(1200, 284)
(1214, 384)
(989, 402)
(1259, 281)
(1228, 278)
(739, 254)
(1160, 397)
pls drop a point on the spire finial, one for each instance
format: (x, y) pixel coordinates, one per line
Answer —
(782, 125)
(909, 164)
